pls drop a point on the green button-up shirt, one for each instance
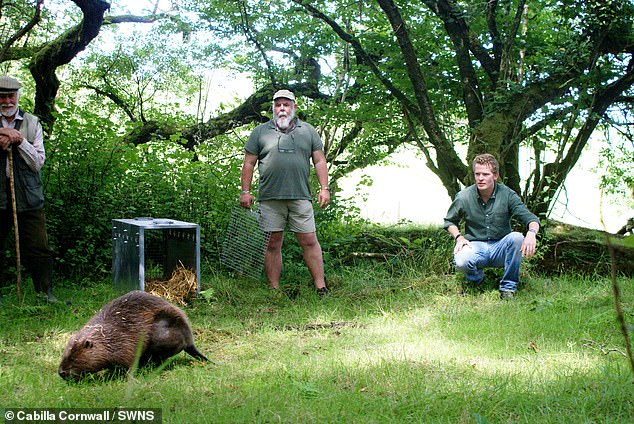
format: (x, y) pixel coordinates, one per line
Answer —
(491, 220)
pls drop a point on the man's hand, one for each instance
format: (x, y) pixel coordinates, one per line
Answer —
(5, 142)
(246, 199)
(9, 136)
(324, 197)
(460, 243)
(529, 245)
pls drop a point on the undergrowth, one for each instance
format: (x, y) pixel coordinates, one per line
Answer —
(390, 343)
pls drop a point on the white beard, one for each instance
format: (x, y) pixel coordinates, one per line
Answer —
(8, 110)
(283, 121)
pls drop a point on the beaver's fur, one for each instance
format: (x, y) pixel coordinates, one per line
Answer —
(136, 321)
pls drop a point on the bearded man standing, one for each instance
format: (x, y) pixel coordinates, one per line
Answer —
(283, 148)
(22, 134)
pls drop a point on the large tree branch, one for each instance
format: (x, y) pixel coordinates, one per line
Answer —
(411, 61)
(249, 32)
(446, 155)
(555, 172)
(60, 52)
(7, 52)
(496, 39)
(423, 112)
(458, 32)
(127, 19)
(461, 35)
(252, 110)
(507, 50)
(35, 19)
(115, 99)
(361, 53)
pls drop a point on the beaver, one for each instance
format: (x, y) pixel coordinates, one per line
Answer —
(136, 321)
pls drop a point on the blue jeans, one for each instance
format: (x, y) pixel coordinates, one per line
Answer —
(504, 253)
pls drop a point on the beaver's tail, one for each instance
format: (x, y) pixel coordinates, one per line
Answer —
(193, 351)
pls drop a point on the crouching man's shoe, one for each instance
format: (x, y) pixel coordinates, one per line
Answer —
(50, 297)
(506, 295)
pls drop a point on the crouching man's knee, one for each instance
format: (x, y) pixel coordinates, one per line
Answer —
(464, 260)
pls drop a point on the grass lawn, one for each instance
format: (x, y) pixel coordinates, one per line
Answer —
(378, 349)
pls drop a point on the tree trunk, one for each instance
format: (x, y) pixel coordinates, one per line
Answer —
(60, 52)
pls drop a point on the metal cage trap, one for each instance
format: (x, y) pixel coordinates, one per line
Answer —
(148, 249)
(245, 242)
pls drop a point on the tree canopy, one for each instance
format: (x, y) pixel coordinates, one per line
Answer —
(530, 82)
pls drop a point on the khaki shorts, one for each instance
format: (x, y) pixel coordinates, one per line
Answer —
(297, 214)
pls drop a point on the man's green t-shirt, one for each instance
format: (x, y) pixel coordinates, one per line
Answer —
(284, 160)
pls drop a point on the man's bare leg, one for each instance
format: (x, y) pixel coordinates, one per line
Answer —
(311, 250)
(273, 259)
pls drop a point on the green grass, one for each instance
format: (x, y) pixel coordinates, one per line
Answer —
(379, 349)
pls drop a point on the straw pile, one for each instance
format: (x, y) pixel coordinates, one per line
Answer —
(178, 289)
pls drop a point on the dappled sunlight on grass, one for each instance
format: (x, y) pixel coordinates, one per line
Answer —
(391, 343)
(420, 340)
(383, 350)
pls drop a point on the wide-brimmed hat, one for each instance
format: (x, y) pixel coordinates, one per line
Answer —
(285, 94)
(9, 84)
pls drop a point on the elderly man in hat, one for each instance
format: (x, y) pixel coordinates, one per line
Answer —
(22, 135)
(283, 148)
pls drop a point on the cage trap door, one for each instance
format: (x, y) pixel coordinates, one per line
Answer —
(245, 242)
(127, 256)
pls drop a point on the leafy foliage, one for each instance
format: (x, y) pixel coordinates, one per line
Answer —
(447, 77)
(120, 180)
(617, 168)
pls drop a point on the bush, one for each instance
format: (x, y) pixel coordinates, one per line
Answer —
(92, 177)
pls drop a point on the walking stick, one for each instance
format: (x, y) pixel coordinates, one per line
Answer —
(15, 218)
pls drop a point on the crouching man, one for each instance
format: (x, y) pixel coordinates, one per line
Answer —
(486, 208)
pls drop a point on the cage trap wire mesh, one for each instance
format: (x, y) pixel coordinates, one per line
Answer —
(245, 242)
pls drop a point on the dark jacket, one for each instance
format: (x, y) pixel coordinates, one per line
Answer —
(29, 193)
